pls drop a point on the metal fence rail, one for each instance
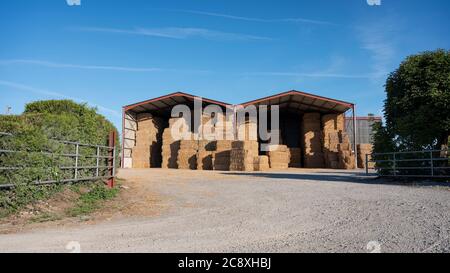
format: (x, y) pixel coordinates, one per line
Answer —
(420, 164)
(104, 168)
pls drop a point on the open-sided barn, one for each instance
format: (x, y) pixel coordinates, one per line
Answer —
(311, 131)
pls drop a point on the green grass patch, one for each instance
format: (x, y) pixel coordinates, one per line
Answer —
(46, 217)
(69, 200)
(91, 199)
(25, 195)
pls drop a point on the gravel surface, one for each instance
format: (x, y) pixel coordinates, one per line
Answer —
(292, 211)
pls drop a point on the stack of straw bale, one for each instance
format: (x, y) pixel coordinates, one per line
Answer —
(363, 150)
(279, 157)
(261, 163)
(346, 155)
(171, 144)
(221, 157)
(338, 153)
(205, 154)
(223, 128)
(147, 151)
(248, 131)
(333, 124)
(187, 155)
(242, 155)
(206, 130)
(312, 132)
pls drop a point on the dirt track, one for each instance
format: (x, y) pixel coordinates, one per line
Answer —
(291, 211)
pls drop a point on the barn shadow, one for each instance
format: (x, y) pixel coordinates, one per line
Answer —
(344, 177)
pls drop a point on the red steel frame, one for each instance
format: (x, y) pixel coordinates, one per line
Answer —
(355, 146)
(122, 159)
(111, 159)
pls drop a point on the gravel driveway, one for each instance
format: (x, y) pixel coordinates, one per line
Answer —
(292, 211)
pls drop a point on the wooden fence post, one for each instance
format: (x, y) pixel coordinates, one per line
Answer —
(111, 159)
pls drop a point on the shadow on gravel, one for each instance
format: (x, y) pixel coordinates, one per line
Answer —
(347, 177)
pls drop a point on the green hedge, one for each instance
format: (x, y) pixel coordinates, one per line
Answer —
(76, 122)
(36, 131)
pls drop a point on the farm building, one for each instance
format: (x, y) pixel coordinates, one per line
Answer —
(312, 134)
(364, 128)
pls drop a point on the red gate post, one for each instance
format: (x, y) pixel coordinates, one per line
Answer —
(111, 159)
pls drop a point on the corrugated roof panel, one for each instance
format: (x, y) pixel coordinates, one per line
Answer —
(293, 98)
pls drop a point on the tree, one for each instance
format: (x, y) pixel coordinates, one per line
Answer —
(383, 139)
(417, 107)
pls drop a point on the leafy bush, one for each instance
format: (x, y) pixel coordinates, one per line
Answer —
(417, 107)
(383, 142)
(35, 135)
(75, 122)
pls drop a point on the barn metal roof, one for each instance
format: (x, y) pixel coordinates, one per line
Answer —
(290, 100)
(168, 101)
(304, 102)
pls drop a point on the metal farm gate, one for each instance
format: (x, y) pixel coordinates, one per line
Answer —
(73, 162)
(415, 164)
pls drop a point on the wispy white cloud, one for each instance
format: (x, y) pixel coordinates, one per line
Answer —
(378, 41)
(68, 65)
(375, 38)
(44, 92)
(253, 19)
(309, 21)
(92, 67)
(313, 75)
(178, 33)
(334, 69)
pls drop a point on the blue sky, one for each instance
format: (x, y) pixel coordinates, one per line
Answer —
(116, 52)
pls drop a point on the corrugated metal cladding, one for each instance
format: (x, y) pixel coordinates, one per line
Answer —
(363, 128)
